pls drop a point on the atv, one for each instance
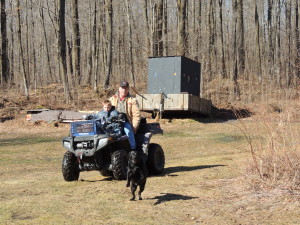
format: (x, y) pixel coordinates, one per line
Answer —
(103, 146)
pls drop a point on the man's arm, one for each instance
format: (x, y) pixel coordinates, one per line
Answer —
(136, 115)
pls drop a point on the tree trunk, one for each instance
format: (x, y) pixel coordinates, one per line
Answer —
(147, 38)
(257, 25)
(12, 40)
(4, 52)
(158, 29)
(240, 37)
(62, 48)
(270, 38)
(95, 50)
(198, 31)
(297, 60)
(93, 45)
(33, 64)
(236, 49)
(278, 37)
(27, 53)
(288, 6)
(165, 28)
(76, 42)
(223, 70)
(129, 19)
(24, 75)
(41, 10)
(212, 38)
(181, 41)
(109, 41)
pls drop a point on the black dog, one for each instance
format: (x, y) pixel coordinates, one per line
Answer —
(137, 173)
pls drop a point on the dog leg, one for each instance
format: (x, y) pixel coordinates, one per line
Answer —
(128, 183)
(142, 187)
(128, 178)
(133, 189)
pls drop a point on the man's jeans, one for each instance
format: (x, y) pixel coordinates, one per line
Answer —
(129, 132)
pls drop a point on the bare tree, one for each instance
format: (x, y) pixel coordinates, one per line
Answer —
(270, 38)
(4, 52)
(297, 58)
(147, 28)
(62, 48)
(12, 41)
(76, 42)
(181, 42)
(42, 18)
(223, 70)
(109, 9)
(257, 25)
(212, 38)
(129, 19)
(158, 29)
(24, 75)
(239, 36)
(278, 41)
(288, 5)
(198, 31)
(165, 27)
(93, 45)
(33, 48)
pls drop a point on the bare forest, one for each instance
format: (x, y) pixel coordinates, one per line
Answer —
(248, 50)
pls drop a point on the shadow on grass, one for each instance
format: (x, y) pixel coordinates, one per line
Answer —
(218, 115)
(166, 197)
(176, 169)
(92, 181)
(229, 114)
(167, 171)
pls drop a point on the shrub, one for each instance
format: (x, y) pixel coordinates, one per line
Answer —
(275, 156)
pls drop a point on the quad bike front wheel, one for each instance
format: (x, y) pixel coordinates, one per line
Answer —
(70, 167)
(119, 161)
(156, 159)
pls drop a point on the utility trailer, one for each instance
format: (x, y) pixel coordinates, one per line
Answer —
(174, 87)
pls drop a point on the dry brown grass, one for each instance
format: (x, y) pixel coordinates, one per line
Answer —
(276, 154)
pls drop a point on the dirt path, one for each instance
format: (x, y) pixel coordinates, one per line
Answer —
(203, 182)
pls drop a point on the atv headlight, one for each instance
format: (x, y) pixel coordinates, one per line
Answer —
(102, 142)
(67, 144)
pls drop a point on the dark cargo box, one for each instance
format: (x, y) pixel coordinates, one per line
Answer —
(173, 75)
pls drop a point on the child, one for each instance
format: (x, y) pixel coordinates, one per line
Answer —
(107, 112)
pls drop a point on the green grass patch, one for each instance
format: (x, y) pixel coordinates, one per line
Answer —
(26, 141)
(178, 134)
(227, 138)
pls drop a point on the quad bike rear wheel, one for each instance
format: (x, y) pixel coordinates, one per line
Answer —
(70, 167)
(156, 159)
(119, 161)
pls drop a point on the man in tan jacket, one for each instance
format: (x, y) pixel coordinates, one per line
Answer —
(125, 103)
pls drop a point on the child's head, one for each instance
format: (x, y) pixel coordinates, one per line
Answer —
(106, 104)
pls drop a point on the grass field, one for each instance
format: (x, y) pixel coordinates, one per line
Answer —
(203, 181)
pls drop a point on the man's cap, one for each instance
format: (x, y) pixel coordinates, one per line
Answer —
(124, 84)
